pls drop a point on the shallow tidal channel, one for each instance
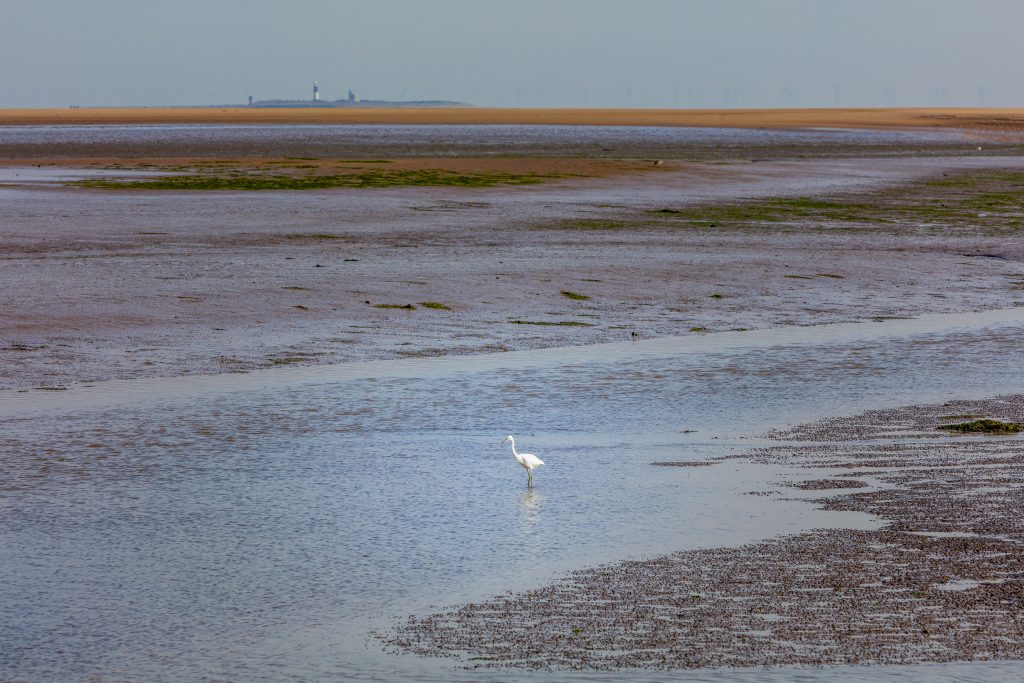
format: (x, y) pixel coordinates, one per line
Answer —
(268, 526)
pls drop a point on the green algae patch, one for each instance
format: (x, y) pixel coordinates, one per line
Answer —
(968, 204)
(575, 296)
(288, 360)
(560, 323)
(313, 236)
(435, 305)
(772, 211)
(984, 427)
(406, 307)
(594, 224)
(312, 181)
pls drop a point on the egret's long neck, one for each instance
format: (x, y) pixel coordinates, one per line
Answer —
(515, 454)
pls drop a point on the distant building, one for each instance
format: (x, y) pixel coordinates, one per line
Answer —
(351, 100)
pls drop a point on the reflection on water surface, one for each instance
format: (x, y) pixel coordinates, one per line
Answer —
(265, 526)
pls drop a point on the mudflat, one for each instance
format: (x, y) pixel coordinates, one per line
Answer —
(984, 119)
(116, 283)
(155, 253)
(124, 257)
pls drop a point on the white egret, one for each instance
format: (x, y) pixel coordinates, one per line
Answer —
(528, 460)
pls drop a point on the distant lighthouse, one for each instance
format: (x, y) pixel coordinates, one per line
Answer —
(316, 91)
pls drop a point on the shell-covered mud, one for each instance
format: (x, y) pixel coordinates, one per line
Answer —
(942, 581)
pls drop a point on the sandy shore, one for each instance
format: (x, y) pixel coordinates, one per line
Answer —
(1006, 120)
(939, 582)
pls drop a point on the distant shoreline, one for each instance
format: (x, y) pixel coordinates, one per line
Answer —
(996, 120)
(342, 104)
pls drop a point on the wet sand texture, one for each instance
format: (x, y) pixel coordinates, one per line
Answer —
(942, 581)
(983, 119)
(169, 284)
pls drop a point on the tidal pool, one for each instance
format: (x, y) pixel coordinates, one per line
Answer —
(264, 527)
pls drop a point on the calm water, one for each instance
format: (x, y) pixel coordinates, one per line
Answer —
(261, 527)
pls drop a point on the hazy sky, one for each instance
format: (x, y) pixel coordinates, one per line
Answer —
(641, 53)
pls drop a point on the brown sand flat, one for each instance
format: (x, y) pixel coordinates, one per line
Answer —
(1005, 120)
(554, 167)
(941, 581)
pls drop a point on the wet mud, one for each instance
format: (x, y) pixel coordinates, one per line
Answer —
(941, 581)
(112, 285)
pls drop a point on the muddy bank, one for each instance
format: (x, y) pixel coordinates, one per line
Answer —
(102, 285)
(545, 168)
(368, 142)
(947, 117)
(942, 581)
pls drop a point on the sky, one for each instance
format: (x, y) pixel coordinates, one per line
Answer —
(515, 53)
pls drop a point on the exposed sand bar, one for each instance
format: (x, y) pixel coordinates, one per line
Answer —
(1008, 120)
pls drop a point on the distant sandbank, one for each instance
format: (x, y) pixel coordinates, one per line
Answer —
(1008, 120)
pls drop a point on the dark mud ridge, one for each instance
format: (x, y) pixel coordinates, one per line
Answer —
(942, 581)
